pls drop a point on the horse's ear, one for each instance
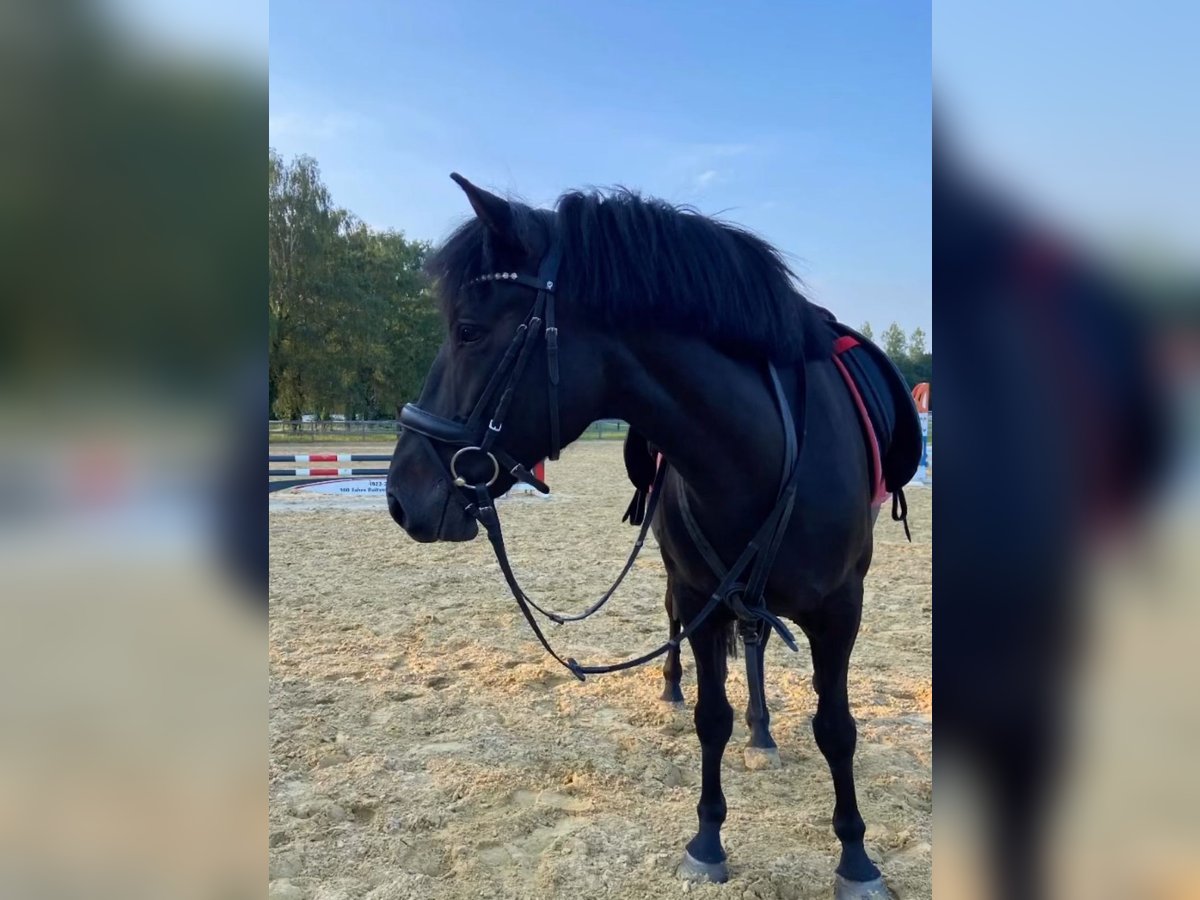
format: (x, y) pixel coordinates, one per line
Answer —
(493, 211)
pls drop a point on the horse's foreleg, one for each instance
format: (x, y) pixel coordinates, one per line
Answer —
(705, 858)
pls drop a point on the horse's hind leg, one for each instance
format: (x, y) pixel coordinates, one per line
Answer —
(831, 634)
(761, 751)
(672, 670)
(704, 859)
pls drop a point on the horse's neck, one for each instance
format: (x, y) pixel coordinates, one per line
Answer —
(713, 417)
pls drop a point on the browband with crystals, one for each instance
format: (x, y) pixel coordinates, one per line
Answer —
(527, 280)
(492, 276)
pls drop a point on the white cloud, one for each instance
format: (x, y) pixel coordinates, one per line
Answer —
(704, 179)
(703, 156)
(324, 127)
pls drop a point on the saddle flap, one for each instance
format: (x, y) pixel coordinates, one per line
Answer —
(640, 464)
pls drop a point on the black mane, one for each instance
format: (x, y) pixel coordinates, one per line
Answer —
(635, 262)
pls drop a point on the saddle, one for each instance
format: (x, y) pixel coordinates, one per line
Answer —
(886, 400)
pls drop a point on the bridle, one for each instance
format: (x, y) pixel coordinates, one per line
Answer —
(476, 436)
(743, 597)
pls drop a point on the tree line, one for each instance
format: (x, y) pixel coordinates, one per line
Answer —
(353, 326)
(906, 351)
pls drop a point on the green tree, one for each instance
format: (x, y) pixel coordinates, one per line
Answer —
(302, 226)
(865, 330)
(353, 327)
(916, 345)
(392, 328)
(895, 343)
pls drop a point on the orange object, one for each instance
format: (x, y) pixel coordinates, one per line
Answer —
(920, 395)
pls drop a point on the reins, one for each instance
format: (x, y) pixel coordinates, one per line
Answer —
(744, 598)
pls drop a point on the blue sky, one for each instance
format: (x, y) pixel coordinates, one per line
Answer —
(1096, 127)
(808, 123)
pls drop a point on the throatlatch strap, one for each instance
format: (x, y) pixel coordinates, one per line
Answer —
(552, 382)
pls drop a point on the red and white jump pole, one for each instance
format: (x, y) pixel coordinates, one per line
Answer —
(328, 457)
(349, 480)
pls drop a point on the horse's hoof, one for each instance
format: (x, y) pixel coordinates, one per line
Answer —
(678, 705)
(762, 758)
(671, 694)
(691, 869)
(845, 889)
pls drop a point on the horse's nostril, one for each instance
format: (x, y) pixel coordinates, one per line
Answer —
(395, 509)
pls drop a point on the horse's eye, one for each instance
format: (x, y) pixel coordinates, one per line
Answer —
(469, 334)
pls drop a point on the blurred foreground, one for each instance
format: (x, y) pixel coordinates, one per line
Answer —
(132, 728)
(1067, 306)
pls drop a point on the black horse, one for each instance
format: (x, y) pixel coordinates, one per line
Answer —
(693, 331)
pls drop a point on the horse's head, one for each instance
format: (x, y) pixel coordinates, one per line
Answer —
(497, 398)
